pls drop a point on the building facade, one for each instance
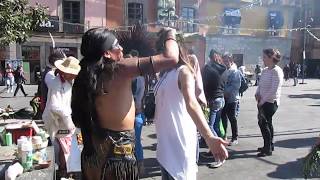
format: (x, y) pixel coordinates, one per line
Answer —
(67, 22)
(246, 27)
(307, 16)
(69, 19)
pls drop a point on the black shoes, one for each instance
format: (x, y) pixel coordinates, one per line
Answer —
(261, 148)
(264, 154)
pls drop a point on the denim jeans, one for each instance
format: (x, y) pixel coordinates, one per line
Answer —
(216, 107)
(138, 124)
(229, 113)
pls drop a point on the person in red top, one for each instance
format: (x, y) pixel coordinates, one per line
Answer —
(9, 76)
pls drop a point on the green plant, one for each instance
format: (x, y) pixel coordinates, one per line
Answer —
(206, 112)
(311, 166)
(18, 20)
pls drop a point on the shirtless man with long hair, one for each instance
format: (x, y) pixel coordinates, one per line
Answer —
(103, 106)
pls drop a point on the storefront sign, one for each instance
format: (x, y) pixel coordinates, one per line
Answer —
(14, 63)
(51, 25)
(69, 51)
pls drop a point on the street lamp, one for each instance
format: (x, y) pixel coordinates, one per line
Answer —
(305, 27)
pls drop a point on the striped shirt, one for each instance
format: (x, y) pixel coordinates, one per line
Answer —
(270, 84)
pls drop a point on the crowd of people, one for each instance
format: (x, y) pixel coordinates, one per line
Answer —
(104, 95)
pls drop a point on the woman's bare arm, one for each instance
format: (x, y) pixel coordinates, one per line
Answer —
(187, 87)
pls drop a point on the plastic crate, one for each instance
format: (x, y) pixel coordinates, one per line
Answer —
(17, 133)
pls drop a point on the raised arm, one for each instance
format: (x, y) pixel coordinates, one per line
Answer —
(148, 65)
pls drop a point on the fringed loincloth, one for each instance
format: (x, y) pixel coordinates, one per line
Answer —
(114, 158)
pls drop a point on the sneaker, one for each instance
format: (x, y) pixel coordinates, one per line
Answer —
(207, 155)
(11, 91)
(8, 90)
(233, 142)
(216, 164)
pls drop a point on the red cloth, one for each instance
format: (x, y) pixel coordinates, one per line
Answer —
(65, 144)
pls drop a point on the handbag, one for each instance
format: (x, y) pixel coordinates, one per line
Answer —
(150, 100)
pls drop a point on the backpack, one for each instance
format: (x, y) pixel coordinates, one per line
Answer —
(149, 105)
(134, 86)
(244, 85)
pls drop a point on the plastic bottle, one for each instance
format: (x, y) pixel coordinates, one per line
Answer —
(8, 139)
(19, 143)
(26, 155)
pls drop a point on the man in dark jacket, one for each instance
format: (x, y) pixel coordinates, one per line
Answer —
(214, 88)
(213, 84)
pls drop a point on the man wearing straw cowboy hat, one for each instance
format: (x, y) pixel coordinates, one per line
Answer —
(57, 113)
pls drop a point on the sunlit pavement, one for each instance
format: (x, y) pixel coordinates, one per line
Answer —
(296, 126)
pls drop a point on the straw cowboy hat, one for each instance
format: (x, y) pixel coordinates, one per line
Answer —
(69, 65)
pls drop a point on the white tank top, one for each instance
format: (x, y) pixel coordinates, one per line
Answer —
(176, 131)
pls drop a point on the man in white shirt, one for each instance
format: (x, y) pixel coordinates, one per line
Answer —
(57, 114)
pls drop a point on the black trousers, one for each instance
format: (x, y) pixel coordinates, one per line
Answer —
(229, 112)
(19, 86)
(266, 111)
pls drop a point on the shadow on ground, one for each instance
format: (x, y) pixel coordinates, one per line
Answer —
(242, 154)
(289, 170)
(297, 143)
(315, 105)
(152, 136)
(152, 168)
(286, 133)
(303, 96)
(152, 147)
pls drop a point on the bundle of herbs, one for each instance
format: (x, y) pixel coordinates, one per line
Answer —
(311, 166)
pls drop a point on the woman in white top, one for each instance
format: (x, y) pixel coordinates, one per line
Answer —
(268, 98)
(178, 115)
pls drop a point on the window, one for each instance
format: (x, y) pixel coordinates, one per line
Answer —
(275, 22)
(188, 14)
(3, 53)
(135, 13)
(232, 20)
(277, 1)
(31, 53)
(166, 10)
(71, 11)
(71, 14)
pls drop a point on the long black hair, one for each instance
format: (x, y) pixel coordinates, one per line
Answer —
(95, 69)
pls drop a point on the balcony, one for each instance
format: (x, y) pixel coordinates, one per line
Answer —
(282, 2)
(73, 28)
(237, 1)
